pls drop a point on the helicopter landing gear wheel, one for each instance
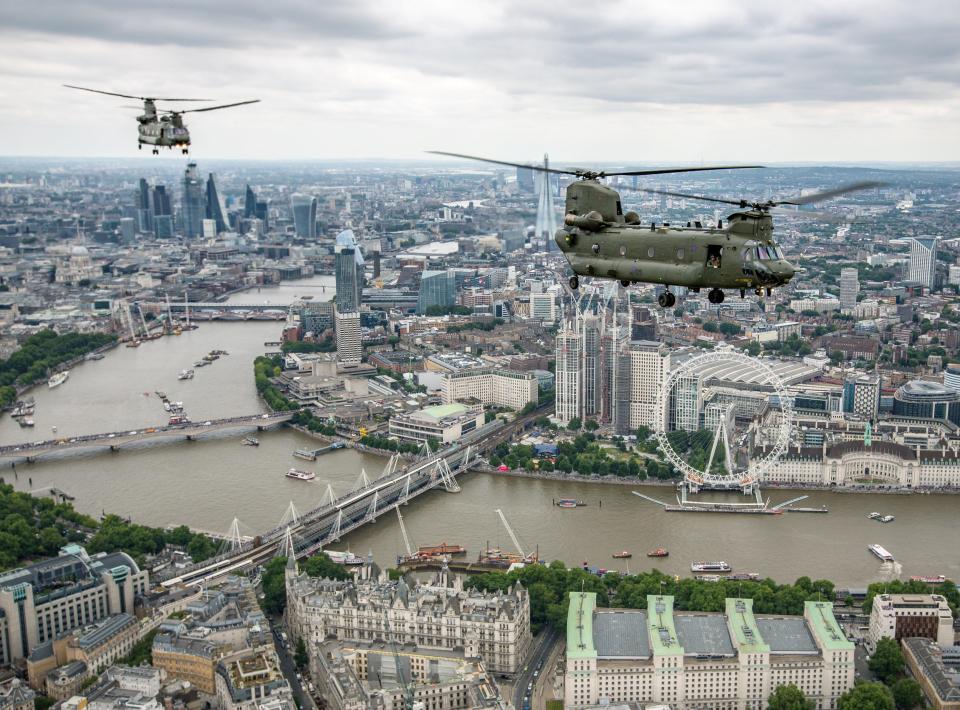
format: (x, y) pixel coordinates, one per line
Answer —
(715, 296)
(769, 292)
(666, 299)
(139, 146)
(625, 283)
(574, 282)
(185, 151)
(758, 291)
(743, 292)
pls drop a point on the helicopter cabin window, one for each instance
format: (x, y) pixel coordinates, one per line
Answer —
(623, 250)
(679, 254)
(650, 252)
(595, 248)
(714, 252)
(619, 208)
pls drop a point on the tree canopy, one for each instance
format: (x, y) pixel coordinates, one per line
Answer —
(789, 697)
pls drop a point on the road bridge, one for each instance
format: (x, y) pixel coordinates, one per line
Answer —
(338, 516)
(115, 440)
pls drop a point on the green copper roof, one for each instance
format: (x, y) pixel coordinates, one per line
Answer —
(825, 626)
(580, 625)
(663, 633)
(746, 636)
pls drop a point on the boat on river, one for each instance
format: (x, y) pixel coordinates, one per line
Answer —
(58, 379)
(881, 552)
(570, 503)
(301, 475)
(622, 555)
(658, 552)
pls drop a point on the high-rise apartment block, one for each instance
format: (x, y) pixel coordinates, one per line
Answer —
(922, 267)
(849, 288)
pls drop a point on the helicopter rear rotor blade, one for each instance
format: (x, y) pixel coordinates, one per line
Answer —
(666, 171)
(738, 203)
(210, 108)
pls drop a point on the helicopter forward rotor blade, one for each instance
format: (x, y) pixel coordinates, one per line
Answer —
(738, 203)
(665, 171)
(211, 108)
(831, 217)
(829, 194)
(538, 168)
(128, 96)
(591, 174)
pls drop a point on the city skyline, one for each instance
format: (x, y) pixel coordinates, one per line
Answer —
(646, 82)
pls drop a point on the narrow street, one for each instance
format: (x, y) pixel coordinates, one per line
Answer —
(542, 648)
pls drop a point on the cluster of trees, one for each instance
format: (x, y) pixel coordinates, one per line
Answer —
(265, 368)
(306, 419)
(375, 441)
(448, 310)
(486, 325)
(36, 527)
(793, 345)
(142, 651)
(274, 585)
(725, 327)
(40, 352)
(583, 455)
(327, 345)
(138, 541)
(695, 447)
(549, 588)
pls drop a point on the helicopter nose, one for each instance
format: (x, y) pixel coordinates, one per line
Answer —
(786, 270)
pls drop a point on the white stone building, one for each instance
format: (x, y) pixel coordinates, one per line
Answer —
(649, 367)
(693, 660)
(900, 616)
(442, 615)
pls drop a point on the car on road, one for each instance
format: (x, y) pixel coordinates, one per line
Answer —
(131, 433)
(207, 423)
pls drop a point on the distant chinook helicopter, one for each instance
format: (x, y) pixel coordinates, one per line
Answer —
(599, 240)
(163, 128)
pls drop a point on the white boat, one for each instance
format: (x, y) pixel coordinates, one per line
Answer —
(301, 475)
(887, 519)
(343, 558)
(874, 515)
(720, 566)
(880, 552)
(58, 379)
(185, 375)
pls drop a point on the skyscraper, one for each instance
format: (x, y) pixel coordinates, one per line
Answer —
(304, 215)
(214, 208)
(849, 289)
(194, 207)
(686, 399)
(349, 344)
(649, 367)
(567, 374)
(437, 288)
(249, 204)
(590, 330)
(162, 220)
(861, 395)
(525, 179)
(348, 267)
(546, 225)
(923, 261)
(144, 213)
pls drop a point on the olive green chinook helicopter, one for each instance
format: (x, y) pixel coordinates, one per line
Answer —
(599, 240)
(163, 128)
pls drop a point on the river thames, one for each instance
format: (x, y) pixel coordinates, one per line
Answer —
(207, 483)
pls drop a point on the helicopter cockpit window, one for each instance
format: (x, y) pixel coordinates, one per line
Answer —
(714, 255)
(764, 253)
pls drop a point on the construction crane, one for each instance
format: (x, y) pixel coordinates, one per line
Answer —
(403, 531)
(513, 537)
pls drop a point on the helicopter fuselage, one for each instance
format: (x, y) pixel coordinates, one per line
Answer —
(163, 133)
(600, 241)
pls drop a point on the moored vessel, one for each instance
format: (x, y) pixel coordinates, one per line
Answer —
(58, 379)
(929, 579)
(442, 549)
(658, 552)
(719, 566)
(569, 503)
(622, 555)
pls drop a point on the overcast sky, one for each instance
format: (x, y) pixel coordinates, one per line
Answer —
(668, 81)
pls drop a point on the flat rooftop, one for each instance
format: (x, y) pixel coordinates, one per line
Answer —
(703, 634)
(621, 634)
(787, 635)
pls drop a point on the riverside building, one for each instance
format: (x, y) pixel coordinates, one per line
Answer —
(442, 615)
(687, 660)
(46, 600)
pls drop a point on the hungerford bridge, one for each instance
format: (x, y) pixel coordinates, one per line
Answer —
(336, 516)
